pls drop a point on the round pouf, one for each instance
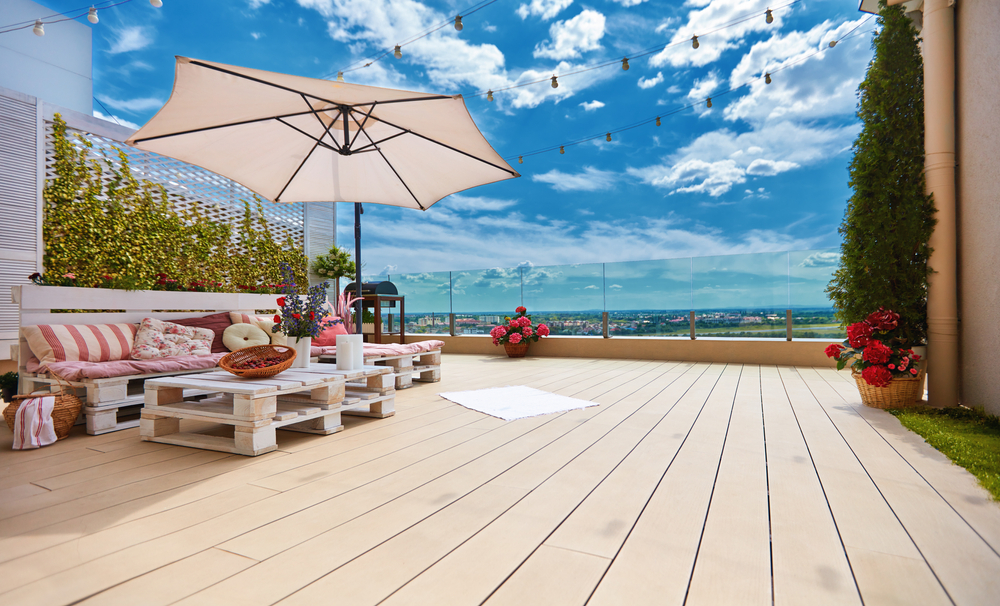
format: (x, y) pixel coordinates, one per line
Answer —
(516, 351)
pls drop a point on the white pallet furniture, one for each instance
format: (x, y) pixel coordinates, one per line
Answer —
(424, 367)
(309, 400)
(113, 404)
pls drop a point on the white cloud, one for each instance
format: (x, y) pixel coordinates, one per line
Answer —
(132, 105)
(592, 105)
(487, 27)
(703, 87)
(256, 35)
(769, 168)
(651, 82)
(255, 4)
(568, 38)
(129, 39)
(117, 119)
(546, 9)
(627, 3)
(591, 179)
(475, 203)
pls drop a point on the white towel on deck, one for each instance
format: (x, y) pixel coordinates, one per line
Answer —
(33, 426)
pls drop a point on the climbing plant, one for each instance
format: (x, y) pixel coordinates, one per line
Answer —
(889, 217)
(121, 232)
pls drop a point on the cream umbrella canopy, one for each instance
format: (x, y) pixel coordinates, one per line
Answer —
(296, 139)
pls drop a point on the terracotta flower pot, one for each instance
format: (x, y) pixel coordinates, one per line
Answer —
(516, 351)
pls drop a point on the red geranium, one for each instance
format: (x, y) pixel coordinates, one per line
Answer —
(879, 376)
(876, 352)
(833, 350)
(518, 329)
(859, 333)
(883, 319)
(521, 309)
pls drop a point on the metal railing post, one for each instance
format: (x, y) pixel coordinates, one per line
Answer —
(692, 326)
(604, 321)
(451, 324)
(788, 325)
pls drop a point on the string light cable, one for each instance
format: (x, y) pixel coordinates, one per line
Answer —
(71, 15)
(701, 102)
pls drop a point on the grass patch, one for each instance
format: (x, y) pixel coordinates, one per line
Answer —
(968, 437)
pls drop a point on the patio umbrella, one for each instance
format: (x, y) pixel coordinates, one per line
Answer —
(295, 139)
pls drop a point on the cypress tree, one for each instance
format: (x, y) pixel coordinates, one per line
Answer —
(889, 218)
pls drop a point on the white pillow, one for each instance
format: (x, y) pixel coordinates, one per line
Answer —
(277, 338)
(159, 339)
(239, 336)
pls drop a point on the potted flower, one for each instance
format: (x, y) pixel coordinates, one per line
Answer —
(300, 316)
(8, 385)
(517, 333)
(887, 372)
(334, 265)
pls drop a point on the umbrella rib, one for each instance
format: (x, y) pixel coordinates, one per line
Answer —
(374, 143)
(326, 128)
(318, 141)
(292, 178)
(456, 150)
(217, 126)
(361, 126)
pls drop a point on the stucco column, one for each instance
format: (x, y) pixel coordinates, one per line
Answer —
(939, 144)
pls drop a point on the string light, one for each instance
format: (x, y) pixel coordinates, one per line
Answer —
(340, 76)
(767, 78)
(397, 52)
(92, 15)
(520, 159)
(694, 42)
(708, 102)
(609, 137)
(562, 149)
(38, 25)
(156, 3)
(489, 95)
(657, 120)
(833, 43)
(555, 82)
(768, 17)
(39, 29)
(458, 22)
(625, 64)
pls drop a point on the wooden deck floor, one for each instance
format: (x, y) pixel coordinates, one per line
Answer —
(689, 484)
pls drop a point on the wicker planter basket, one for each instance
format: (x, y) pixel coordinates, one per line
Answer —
(516, 351)
(899, 393)
(64, 413)
(228, 361)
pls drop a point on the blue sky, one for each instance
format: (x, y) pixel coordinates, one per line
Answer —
(765, 169)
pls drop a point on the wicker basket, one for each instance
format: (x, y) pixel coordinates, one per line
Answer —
(287, 355)
(899, 393)
(516, 351)
(64, 413)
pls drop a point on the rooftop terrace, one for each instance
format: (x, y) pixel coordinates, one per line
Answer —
(689, 484)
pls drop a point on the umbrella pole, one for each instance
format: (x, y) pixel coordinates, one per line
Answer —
(357, 264)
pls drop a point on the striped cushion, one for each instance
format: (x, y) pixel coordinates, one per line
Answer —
(80, 343)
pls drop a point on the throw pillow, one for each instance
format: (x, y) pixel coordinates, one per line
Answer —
(217, 323)
(159, 339)
(277, 338)
(80, 343)
(239, 336)
(328, 337)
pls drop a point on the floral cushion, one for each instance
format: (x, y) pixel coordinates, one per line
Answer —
(159, 339)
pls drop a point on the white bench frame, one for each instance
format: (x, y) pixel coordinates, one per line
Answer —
(104, 399)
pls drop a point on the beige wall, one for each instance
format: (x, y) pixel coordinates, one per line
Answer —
(977, 43)
(778, 353)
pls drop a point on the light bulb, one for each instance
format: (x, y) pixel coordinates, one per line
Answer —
(625, 64)
(767, 78)
(156, 3)
(340, 76)
(489, 95)
(768, 17)
(562, 149)
(397, 52)
(520, 159)
(458, 22)
(39, 29)
(609, 136)
(708, 102)
(833, 43)
(92, 15)
(657, 120)
(555, 83)
(694, 42)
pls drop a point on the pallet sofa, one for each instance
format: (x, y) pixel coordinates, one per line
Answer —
(112, 403)
(419, 361)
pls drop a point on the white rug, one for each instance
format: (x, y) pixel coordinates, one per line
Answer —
(517, 402)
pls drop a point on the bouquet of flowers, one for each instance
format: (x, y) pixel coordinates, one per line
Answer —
(874, 348)
(300, 316)
(518, 329)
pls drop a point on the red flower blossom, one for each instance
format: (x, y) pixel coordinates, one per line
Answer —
(892, 367)
(858, 334)
(515, 338)
(879, 376)
(913, 371)
(833, 350)
(915, 357)
(521, 310)
(312, 316)
(281, 301)
(876, 352)
(277, 319)
(527, 331)
(296, 316)
(543, 330)
(883, 319)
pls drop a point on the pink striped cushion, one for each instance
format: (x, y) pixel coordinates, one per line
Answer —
(80, 343)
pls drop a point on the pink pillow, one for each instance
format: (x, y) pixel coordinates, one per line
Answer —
(328, 338)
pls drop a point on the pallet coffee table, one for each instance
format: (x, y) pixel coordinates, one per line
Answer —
(309, 400)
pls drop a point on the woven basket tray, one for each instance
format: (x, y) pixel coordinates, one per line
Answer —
(64, 413)
(257, 352)
(899, 393)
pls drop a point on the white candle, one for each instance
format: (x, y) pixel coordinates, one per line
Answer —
(357, 351)
(345, 352)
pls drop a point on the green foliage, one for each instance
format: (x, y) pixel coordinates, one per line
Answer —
(125, 234)
(334, 265)
(889, 218)
(8, 381)
(967, 437)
